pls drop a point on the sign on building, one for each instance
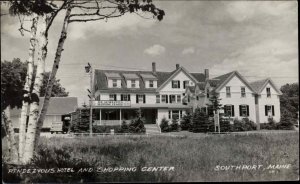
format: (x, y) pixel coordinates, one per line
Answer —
(111, 103)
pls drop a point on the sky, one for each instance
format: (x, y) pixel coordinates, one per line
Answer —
(257, 38)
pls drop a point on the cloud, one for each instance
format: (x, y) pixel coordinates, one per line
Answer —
(190, 50)
(155, 50)
(268, 58)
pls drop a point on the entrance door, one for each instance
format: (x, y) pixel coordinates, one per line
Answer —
(150, 115)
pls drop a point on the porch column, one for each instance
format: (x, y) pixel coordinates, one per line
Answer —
(120, 116)
(100, 116)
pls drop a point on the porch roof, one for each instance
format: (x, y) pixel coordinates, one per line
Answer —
(146, 106)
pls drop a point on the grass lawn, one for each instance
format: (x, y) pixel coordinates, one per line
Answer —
(194, 158)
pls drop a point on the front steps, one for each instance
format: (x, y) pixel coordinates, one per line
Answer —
(152, 129)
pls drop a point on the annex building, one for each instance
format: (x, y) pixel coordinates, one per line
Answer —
(119, 93)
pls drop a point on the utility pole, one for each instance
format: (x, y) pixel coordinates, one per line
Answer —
(89, 70)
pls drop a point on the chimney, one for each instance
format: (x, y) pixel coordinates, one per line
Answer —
(153, 67)
(206, 73)
(177, 66)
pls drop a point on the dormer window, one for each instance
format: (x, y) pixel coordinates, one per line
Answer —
(115, 83)
(151, 84)
(133, 84)
(228, 93)
(243, 92)
(268, 92)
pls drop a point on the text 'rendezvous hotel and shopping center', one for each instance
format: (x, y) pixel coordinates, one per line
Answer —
(119, 93)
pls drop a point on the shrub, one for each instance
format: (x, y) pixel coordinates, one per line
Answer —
(124, 128)
(137, 126)
(286, 122)
(237, 126)
(174, 127)
(105, 128)
(248, 124)
(186, 122)
(164, 125)
(243, 125)
(225, 125)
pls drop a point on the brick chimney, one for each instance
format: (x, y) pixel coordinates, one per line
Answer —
(177, 66)
(153, 67)
(206, 73)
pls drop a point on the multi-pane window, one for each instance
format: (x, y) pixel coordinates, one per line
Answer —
(151, 85)
(164, 98)
(268, 92)
(115, 83)
(125, 97)
(185, 83)
(269, 110)
(178, 98)
(229, 110)
(175, 84)
(175, 114)
(244, 110)
(98, 98)
(113, 97)
(243, 92)
(172, 98)
(133, 84)
(228, 93)
(157, 98)
(140, 99)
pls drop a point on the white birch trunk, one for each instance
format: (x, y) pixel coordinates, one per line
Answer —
(25, 104)
(33, 137)
(37, 84)
(11, 142)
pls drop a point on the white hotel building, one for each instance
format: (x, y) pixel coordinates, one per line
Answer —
(119, 93)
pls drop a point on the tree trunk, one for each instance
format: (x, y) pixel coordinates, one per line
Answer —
(11, 142)
(25, 106)
(33, 134)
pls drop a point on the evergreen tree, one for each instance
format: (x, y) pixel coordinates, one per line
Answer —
(137, 126)
(186, 122)
(214, 102)
(200, 122)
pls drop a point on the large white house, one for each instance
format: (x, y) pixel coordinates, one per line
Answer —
(119, 93)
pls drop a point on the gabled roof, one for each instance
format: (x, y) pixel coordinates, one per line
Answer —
(162, 77)
(224, 79)
(57, 106)
(175, 73)
(201, 85)
(259, 85)
(112, 75)
(130, 76)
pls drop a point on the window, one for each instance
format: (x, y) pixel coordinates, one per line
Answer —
(125, 97)
(185, 84)
(157, 98)
(98, 98)
(132, 83)
(175, 114)
(269, 110)
(140, 99)
(229, 110)
(164, 98)
(115, 84)
(228, 94)
(243, 92)
(172, 99)
(151, 85)
(113, 97)
(244, 110)
(178, 98)
(175, 84)
(197, 98)
(268, 92)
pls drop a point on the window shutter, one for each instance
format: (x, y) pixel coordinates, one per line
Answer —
(178, 84)
(180, 113)
(232, 109)
(115, 97)
(144, 98)
(247, 110)
(170, 96)
(172, 84)
(137, 98)
(184, 85)
(240, 110)
(169, 114)
(121, 97)
(266, 110)
(128, 97)
(273, 113)
(166, 98)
